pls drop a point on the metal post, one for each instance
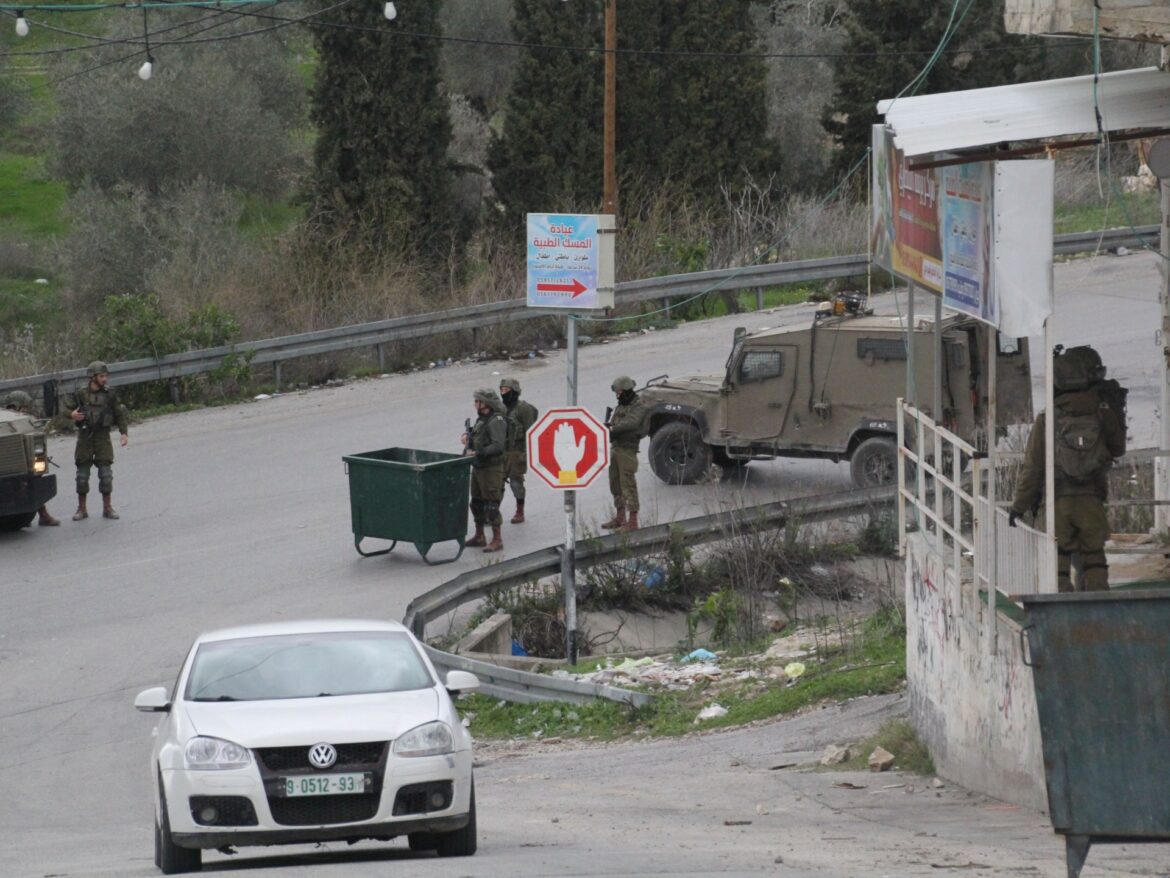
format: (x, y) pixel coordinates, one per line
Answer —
(936, 400)
(381, 358)
(276, 374)
(1161, 463)
(1049, 448)
(568, 554)
(936, 414)
(992, 505)
(759, 298)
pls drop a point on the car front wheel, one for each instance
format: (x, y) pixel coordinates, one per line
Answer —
(461, 842)
(168, 856)
(678, 454)
(875, 462)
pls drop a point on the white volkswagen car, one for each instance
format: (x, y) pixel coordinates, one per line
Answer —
(308, 732)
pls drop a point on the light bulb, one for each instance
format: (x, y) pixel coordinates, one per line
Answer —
(21, 25)
(389, 11)
(146, 70)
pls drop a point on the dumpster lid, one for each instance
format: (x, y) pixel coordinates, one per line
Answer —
(1079, 597)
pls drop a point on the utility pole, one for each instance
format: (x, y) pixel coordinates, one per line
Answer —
(609, 149)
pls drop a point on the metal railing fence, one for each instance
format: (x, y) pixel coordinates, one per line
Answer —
(276, 351)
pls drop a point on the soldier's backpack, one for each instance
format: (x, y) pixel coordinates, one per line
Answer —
(1081, 453)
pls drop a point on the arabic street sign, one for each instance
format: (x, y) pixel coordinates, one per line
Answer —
(570, 261)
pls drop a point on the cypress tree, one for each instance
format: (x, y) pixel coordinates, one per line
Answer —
(684, 122)
(381, 174)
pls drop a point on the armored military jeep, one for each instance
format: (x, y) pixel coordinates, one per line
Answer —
(828, 390)
(25, 481)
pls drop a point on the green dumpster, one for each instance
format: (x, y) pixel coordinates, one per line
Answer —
(407, 495)
(1101, 670)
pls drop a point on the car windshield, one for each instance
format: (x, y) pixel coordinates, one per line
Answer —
(306, 666)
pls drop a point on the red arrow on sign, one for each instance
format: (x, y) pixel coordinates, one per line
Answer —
(576, 288)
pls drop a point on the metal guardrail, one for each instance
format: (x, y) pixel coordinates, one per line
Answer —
(290, 347)
(523, 686)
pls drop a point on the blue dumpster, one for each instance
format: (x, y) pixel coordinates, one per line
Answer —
(1101, 670)
(410, 495)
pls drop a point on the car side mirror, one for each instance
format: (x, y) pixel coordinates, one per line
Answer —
(153, 700)
(461, 681)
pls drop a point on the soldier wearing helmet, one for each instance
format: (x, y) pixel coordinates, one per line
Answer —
(21, 402)
(94, 410)
(626, 429)
(487, 439)
(1089, 433)
(520, 416)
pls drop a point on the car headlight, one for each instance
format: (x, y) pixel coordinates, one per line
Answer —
(40, 466)
(431, 739)
(215, 754)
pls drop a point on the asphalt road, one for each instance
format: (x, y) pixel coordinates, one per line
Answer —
(241, 514)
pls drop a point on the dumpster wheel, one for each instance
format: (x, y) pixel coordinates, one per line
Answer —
(357, 544)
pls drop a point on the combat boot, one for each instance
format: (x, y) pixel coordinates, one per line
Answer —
(81, 512)
(47, 520)
(518, 518)
(631, 522)
(108, 507)
(478, 539)
(497, 542)
(618, 521)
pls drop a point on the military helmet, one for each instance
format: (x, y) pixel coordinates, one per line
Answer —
(97, 367)
(17, 400)
(1076, 368)
(623, 382)
(488, 396)
(511, 383)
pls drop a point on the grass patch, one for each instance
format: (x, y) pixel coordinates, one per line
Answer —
(23, 302)
(1139, 209)
(264, 218)
(30, 203)
(874, 663)
(898, 737)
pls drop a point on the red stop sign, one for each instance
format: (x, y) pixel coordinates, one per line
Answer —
(567, 448)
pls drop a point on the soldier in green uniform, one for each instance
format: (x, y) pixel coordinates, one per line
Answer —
(95, 410)
(19, 401)
(1089, 433)
(487, 439)
(521, 415)
(626, 430)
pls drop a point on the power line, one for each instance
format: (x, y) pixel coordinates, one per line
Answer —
(238, 9)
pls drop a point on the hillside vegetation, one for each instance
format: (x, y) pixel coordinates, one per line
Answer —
(305, 164)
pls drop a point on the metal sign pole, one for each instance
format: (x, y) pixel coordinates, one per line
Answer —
(568, 555)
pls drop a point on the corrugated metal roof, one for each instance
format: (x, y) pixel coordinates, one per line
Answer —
(1128, 99)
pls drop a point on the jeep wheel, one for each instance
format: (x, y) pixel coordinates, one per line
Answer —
(678, 454)
(874, 462)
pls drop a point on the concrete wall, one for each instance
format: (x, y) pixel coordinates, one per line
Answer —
(1148, 20)
(976, 712)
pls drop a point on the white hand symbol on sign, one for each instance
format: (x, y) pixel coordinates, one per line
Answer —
(568, 451)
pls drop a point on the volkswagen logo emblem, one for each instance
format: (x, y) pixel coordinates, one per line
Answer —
(322, 755)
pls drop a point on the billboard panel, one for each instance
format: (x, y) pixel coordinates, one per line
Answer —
(933, 227)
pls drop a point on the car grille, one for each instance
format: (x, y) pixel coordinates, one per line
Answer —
(296, 759)
(279, 762)
(229, 810)
(13, 457)
(322, 810)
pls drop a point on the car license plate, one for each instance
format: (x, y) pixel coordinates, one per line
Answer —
(324, 784)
